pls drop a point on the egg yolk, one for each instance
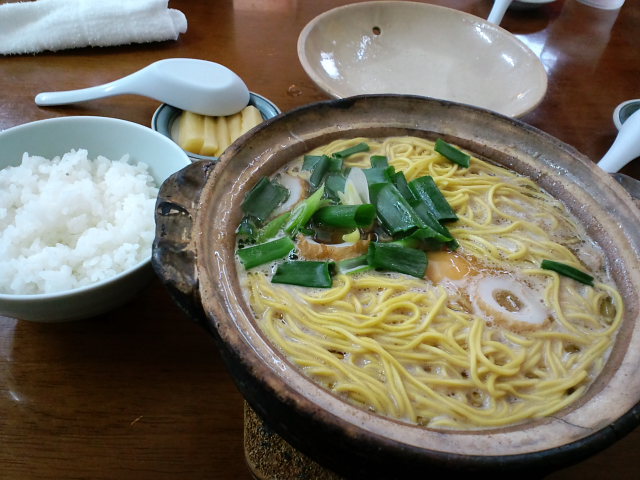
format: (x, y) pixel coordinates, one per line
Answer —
(449, 265)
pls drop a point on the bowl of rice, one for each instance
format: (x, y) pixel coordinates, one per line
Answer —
(77, 200)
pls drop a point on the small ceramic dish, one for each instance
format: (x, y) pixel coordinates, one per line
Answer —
(421, 49)
(163, 120)
(109, 137)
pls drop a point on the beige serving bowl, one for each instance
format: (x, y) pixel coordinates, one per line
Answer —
(199, 209)
(421, 49)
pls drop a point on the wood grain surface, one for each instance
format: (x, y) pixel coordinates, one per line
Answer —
(140, 392)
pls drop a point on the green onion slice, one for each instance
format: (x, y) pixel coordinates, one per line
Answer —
(319, 166)
(400, 181)
(360, 147)
(425, 189)
(379, 161)
(271, 229)
(303, 212)
(334, 184)
(310, 161)
(263, 198)
(425, 232)
(309, 232)
(354, 265)
(452, 153)
(430, 221)
(247, 229)
(396, 258)
(379, 175)
(304, 274)
(394, 212)
(265, 252)
(336, 164)
(346, 216)
(567, 271)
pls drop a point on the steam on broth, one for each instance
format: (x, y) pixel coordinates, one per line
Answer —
(501, 312)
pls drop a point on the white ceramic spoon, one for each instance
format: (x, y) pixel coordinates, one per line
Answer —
(625, 147)
(498, 10)
(190, 84)
(500, 7)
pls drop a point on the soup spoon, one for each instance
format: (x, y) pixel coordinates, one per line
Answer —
(500, 7)
(498, 10)
(189, 84)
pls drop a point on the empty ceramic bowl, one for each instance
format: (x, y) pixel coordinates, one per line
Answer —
(164, 120)
(421, 49)
(111, 138)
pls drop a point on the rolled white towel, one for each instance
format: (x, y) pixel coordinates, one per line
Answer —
(31, 27)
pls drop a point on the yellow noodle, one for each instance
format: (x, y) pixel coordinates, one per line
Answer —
(406, 348)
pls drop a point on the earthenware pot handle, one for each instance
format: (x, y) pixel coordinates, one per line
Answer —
(174, 252)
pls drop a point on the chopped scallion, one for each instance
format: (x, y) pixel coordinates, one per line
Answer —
(430, 222)
(425, 188)
(427, 233)
(309, 232)
(319, 168)
(304, 274)
(334, 184)
(379, 175)
(265, 252)
(360, 147)
(412, 241)
(346, 216)
(394, 212)
(335, 164)
(247, 229)
(379, 161)
(452, 153)
(396, 258)
(263, 198)
(353, 265)
(400, 181)
(310, 161)
(271, 229)
(303, 212)
(567, 271)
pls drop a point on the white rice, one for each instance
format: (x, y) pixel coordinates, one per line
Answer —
(72, 221)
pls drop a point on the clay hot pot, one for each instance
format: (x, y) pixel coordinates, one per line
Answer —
(199, 208)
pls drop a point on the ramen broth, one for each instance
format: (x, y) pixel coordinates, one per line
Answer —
(485, 337)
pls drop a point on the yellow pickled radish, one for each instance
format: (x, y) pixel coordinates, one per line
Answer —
(251, 117)
(234, 122)
(222, 134)
(210, 144)
(211, 136)
(191, 132)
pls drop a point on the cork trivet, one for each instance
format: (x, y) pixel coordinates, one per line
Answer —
(271, 458)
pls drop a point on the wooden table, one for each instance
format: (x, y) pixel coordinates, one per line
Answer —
(141, 392)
